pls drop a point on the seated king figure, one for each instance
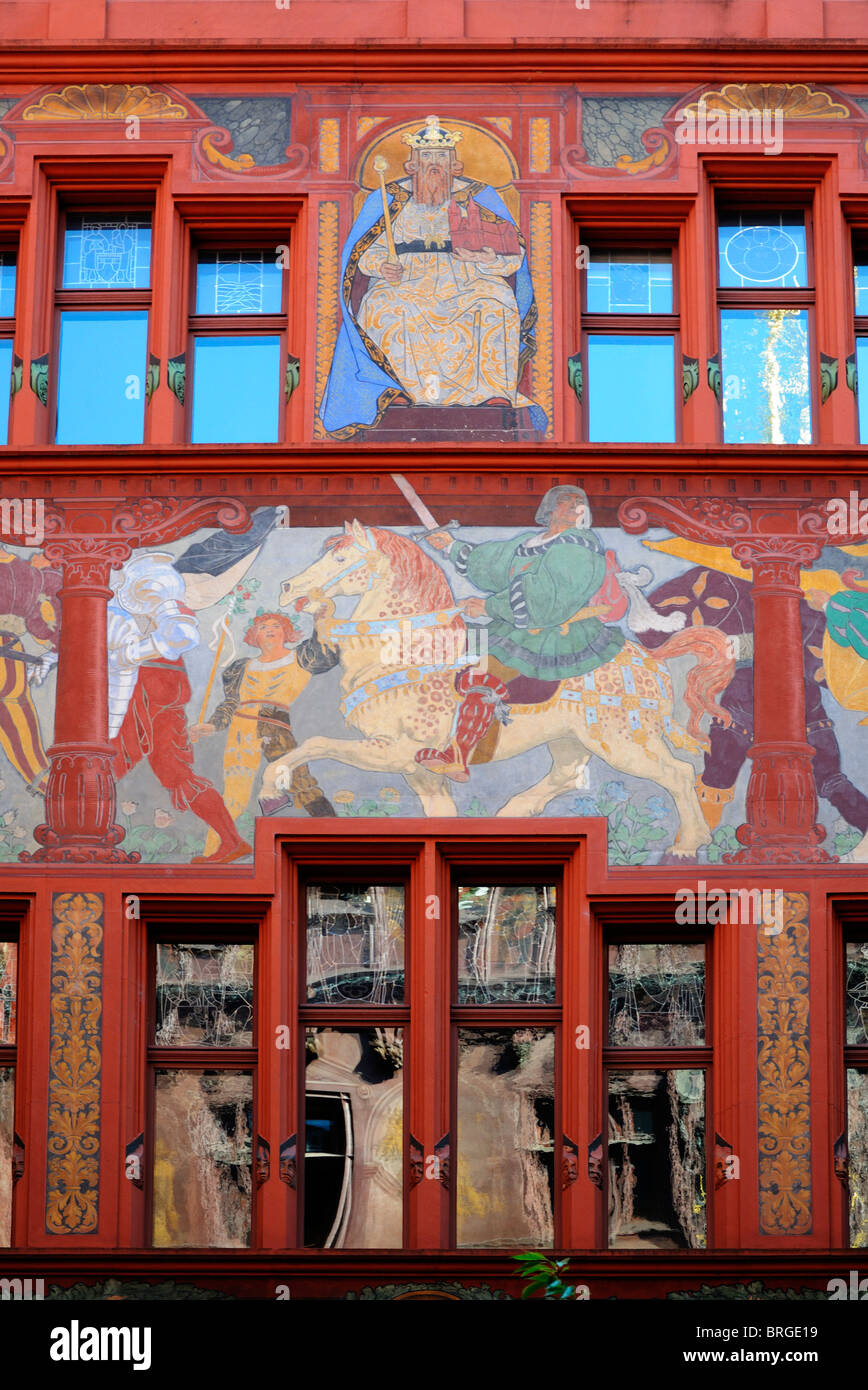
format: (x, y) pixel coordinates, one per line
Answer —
(447, 316)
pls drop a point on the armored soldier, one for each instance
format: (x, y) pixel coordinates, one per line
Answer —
(28, 606)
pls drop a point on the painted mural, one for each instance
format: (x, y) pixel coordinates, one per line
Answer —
(557, 669)
(437, 306)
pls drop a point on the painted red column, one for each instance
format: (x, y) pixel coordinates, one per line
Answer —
(781, 796)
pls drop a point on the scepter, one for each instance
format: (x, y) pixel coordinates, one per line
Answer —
(380, 167)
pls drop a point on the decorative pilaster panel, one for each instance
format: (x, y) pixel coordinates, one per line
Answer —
(784, 1073)
(540, 261)
(75, 1065)
(326, 298)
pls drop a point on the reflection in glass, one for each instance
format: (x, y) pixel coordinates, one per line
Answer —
(7, 1133)
(204, 996)
(506, 1128)
(202, 1158)
(764, 365)
(657, 995)
(355, 944)
(857, 992)
(238, 282)
(8, 272)
(630, 282)
(101, 380)
(862, 396)
(857, 1164)
(235, 390)
(354, 1138)
(860, 277)
(631, 388)
(8, 987)
(657, 1160)
(506, 945)
(107, 253)
(762, 252)
(5, 386)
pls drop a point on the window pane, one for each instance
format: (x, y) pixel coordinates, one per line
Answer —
(7, 284)
(860, 275)
(862, 396)
(202, 1158)
(7, 1129)
(656, 1160)
(354, 1139)
(235, 390)
(8, 990)
(857, 1167)
(506, 1128)
(657, 995)
(762, 252)
(5, 386)
(631, 391)
(204, 996)
(101, 384)
(107, 253)
(238, 282)
(355, 945)
(764, 365)
(630, 282)
(506, 945)
(857, 992)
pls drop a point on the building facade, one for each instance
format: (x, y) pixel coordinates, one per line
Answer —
(434, 804)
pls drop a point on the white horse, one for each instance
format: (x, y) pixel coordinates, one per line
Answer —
(621, 712)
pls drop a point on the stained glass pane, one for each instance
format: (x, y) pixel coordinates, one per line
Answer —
(236, 392)
(631, 388)
(354, 1138)
(101, 381)
(506, 945)
(857, 1166)
(355, 945)
(8, 271)
(204, 996)
(857, 991)
(239, 282)
(630, 282)
(862, 396)
(766, 386)
(202, 1158)
(657, 995)
(5, 386)
(506, 1129)
(7, 1131)
(762, 252)
(657, 1160)
(860, 277)
(107, 253)
(8, 990)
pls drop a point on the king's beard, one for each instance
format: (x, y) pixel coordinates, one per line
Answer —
(432, 185)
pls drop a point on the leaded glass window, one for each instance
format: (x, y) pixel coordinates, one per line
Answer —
(506, 1138)
(239, 282)
(657, 995)
(204, 995)
(628, 387)
(8, 1039)
(101, 253)
(8, 990)
(657, 1169)
(354, 1138)
(764, 300)
(355, 944)
(506, 945)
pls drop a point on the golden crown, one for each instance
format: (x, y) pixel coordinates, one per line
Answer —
(432, 136)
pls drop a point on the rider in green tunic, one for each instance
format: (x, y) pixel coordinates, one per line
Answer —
(542, 626)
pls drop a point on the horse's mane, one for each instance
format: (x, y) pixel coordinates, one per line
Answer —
(414, 573)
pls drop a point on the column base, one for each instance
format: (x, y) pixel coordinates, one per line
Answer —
(80, 808)
(781, 809)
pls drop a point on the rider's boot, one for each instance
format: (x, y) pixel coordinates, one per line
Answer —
(482, 702)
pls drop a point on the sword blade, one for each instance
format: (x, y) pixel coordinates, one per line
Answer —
(412, 496)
